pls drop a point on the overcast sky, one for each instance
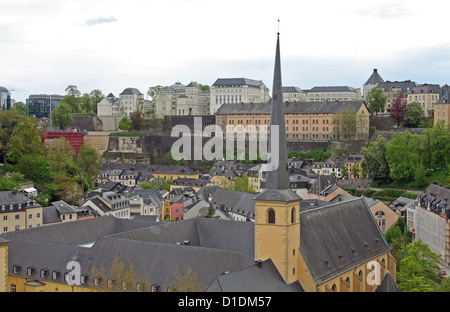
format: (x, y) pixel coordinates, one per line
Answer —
(46, 45)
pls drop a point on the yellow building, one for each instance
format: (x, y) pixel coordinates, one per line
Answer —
(168, 172)
(442, 108)
(303, 120)
(19, 212)
(426, 95)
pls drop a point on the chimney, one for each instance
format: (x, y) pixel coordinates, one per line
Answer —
(258, 263)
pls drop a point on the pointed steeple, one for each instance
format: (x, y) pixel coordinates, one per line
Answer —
(277, 179)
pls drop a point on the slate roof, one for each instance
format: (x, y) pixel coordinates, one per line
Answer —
(387, 284)
(337, 237)
(277, 195)
(326, 107)
(375, 78)
(215, 246)
(226, 82)
(128, 91)
(208, 253)
(332, 89)
(234, 201)
(260, 277)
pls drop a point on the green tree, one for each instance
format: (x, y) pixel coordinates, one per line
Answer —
(62, 116)
(376, 100)
(88, 160)
(374, 162)
(35, 168)
(73, 98)
(413, 114)
(156, 183)
(355, 171)
(124, 124)
(8, 121)
(60, 156)
(97, 96)
(417, 271)
(21, 107)
(89, 163)
(402, 157)
(25, 139)
(435, 146)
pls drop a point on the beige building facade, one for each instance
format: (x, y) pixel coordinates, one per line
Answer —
(237, 90)
(179, 99)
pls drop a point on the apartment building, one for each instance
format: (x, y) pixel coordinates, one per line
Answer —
(179, 99)
(442, 107)
(129, 100)
(426, 95)
(392, 89)
(237, 90)
(19, 212)
(293, 94)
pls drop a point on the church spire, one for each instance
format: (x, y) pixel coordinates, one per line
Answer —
(277, 179)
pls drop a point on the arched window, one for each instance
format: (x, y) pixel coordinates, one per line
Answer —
(293, 215)
(271, 216)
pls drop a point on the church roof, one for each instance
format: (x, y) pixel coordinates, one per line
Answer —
(278, 195)
(263, 276)
(338, 237)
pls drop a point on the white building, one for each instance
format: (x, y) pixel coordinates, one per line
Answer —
(237, 90)
(179, 99)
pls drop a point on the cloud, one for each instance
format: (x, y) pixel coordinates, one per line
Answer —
(100, 20)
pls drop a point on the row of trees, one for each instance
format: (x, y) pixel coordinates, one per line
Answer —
(408, 157)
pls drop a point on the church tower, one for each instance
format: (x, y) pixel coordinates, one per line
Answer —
(277, 209)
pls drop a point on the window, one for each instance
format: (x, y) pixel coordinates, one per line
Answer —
(43, 273)
(55, 274)
(271, 216)
(293, 215)
(155, 287)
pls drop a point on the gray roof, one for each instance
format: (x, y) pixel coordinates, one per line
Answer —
(215, 246)
(277, 195)
(404, 85)
(261, 277)
(336, 238)
(292, 89)
(332, 89)
(375, 78)
(226, 82)
(14, 198)
(325, 107)
(387, 284)
(3, 89)
(234, 201)
(128, 91)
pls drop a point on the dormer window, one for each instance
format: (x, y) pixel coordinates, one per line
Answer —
(155, 287)
(30, 271)
(55, 275)
(43, 273)
(16, 268)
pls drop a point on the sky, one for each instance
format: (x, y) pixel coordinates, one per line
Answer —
(47, 45)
